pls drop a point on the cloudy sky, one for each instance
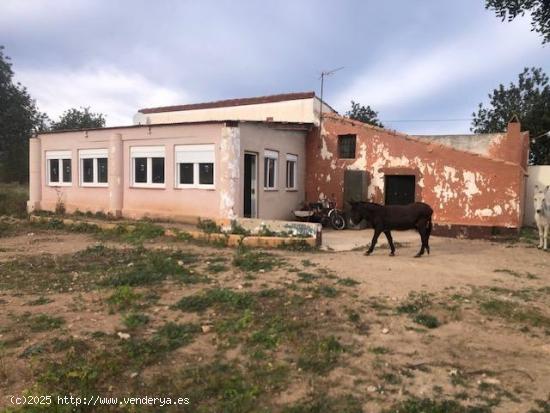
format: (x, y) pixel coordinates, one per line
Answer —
(416, 62)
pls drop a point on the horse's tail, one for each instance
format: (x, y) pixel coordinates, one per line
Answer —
(429, 228)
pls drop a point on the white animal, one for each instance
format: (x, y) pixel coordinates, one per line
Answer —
(542, 214)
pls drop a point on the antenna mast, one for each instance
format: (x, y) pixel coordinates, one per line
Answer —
(325, 73)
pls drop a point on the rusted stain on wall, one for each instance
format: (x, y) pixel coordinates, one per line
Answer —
(463, 188)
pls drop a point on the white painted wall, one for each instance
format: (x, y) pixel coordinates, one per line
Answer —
(538, 175)
(301, 110)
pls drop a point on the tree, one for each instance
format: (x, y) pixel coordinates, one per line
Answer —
(79, 119)
(364, 114)
(19, 120)
(538, 9)
(529, 100)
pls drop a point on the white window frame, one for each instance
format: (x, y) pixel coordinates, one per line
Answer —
(148, 152)
(59, 156)
(271, 155)
(294, 159)
(93, 154)
(194, 154)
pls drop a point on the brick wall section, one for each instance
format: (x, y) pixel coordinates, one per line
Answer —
(464, 189)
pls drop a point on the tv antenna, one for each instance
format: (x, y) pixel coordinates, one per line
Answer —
(324, 74)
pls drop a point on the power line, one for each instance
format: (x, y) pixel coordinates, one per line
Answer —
(428, 120)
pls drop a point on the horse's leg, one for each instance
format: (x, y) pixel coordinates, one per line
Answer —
(540, 229)
(546, 236)
(390, 241)
(373, 242)
(428, 233)
(422, 231)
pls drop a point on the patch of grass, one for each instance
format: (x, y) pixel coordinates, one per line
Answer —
(123, 298)
(238, 229)
(507, 271)
(321, 403)
(415, 303)
(139, 232)
(543, 406)
(320, 355)
(153, 266)
(327, 291)
(40, 301)
(218, 296)
(511, 311)
(255, 261)
(216, 267)
(208, 226)
(426, 320)
(43, 322)
(379, 350)
(434, 406)
(13, 200)
(168, 338)
(308, 263)
(135, 320)
(348, 282)
(306, 277)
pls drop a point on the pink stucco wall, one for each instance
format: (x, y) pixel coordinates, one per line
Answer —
(230, 139)
(137, 202)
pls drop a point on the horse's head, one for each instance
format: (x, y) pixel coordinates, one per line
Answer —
(540, 200)
(354, 213)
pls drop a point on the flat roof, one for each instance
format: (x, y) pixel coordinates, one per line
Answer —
(230, 122)
(231, 102)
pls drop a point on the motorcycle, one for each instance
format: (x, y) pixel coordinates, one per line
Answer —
(323, 211)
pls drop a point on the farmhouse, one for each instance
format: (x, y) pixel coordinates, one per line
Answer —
(263, 157)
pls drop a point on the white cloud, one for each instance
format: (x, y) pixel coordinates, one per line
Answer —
(405, 77)
(107, 90)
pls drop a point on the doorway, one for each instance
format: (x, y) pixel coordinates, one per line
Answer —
(250, 185)
(400, 189)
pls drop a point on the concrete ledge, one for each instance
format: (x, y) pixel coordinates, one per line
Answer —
(472, 231)
(226, 239)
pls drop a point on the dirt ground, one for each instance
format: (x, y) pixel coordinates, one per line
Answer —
(465, 328)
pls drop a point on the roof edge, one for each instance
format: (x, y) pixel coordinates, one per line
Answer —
(201, 122)
(230, 102)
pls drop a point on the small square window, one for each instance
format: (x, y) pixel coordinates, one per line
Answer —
(206, 173)
(186, 173)
(346, 146)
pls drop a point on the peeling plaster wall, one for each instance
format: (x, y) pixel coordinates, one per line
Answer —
(229, 165)
(463, 188)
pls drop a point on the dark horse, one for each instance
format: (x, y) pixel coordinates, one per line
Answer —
(400, 217)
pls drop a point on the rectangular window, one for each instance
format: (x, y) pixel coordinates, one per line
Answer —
(88, 170)
(58, 168)
(291, 162)
(158, 170)
(270, 169)
(102, 171)
(206, 173)
(195, 166)
(148, 166)
(186, 174)
(93, 167)
(346, 146)
(54, 170)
